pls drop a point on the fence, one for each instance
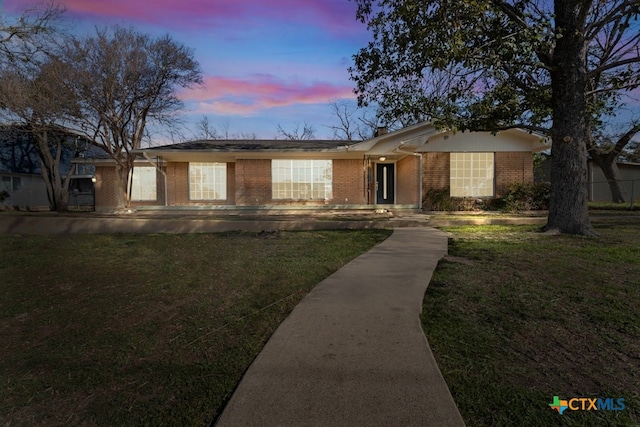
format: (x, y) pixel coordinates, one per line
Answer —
(600, 191)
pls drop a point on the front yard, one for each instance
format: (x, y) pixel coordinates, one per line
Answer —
(147, 329)
(515, 317)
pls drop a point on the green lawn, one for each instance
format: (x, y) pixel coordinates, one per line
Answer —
(516, 317)
(147, 329)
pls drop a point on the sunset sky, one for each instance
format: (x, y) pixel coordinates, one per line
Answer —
(265, 62)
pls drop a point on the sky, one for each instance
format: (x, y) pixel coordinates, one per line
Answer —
(264, 62)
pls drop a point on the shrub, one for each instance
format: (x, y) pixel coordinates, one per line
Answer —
(437, 199)
(4, 195)
(526, 197)
(520, 197)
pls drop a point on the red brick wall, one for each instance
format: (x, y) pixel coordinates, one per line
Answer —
(435, 171)
(348, 182)
(253, 182)
(249, 181)
(105, 187)
(178, 186)
(177, 183)
(407, 180)
(512, 167)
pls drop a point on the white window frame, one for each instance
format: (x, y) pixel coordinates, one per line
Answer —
(144, 184)
(296, 179)
(472, 174)
(207, 181)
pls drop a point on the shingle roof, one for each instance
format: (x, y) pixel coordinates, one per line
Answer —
(252, 145)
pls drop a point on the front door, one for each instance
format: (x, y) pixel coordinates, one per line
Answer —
(385, 183)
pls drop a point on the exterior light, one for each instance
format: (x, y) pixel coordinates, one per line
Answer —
(93, 179)
(382, 158)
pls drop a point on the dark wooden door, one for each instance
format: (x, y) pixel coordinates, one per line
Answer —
(385, 183)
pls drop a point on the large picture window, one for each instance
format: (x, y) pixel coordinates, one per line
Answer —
(472, 175)
(207, 181)
(143, 183)
(301, 179)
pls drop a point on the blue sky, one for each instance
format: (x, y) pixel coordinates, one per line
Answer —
(265, 62)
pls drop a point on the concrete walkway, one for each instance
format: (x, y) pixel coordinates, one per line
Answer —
(353, 352)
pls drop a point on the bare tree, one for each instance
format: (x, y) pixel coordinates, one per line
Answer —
(124, 81)
(205, 130)
(353, 123)
(301, 132)
(23, 38)
(245, 135)
(38, 103)
(17, 152)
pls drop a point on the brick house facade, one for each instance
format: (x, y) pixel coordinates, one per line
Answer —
(394, 169)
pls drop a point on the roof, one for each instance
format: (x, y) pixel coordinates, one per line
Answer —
(416, 139)
(222, 145)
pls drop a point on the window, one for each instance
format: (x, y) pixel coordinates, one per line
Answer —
(11, 183)
(301, 179)
(207, 181)
(17, 183)
(6, 183)
(471, 175)
(143, 183)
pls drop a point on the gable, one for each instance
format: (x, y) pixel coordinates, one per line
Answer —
(424, 138)
(512, 140)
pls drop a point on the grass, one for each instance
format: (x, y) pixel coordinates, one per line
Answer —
(149, 329)
(618, 207)
(515, 317)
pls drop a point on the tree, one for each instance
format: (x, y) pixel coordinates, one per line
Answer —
(39, 104)
(605, 151)
(550, 66)
(301, 132)
(353, 123)
(17, 152)
(633, 152)
(126, 80)
(23, 38)
(205, 130)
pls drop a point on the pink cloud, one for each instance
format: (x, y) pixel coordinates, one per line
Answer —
(247, 96)
(336, 16)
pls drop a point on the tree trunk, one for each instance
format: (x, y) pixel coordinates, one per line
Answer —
(51, 197)
(122, 185)
(568, 203)
(56, 184)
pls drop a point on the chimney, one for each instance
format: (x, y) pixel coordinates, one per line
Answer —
(382, 130)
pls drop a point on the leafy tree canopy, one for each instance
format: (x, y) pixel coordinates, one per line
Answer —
(486, 64)
(556, 66)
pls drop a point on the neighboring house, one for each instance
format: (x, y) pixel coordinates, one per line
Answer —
(392, 170)
(599, 190)
(25, 190)
(597, 185)
(21, 175)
